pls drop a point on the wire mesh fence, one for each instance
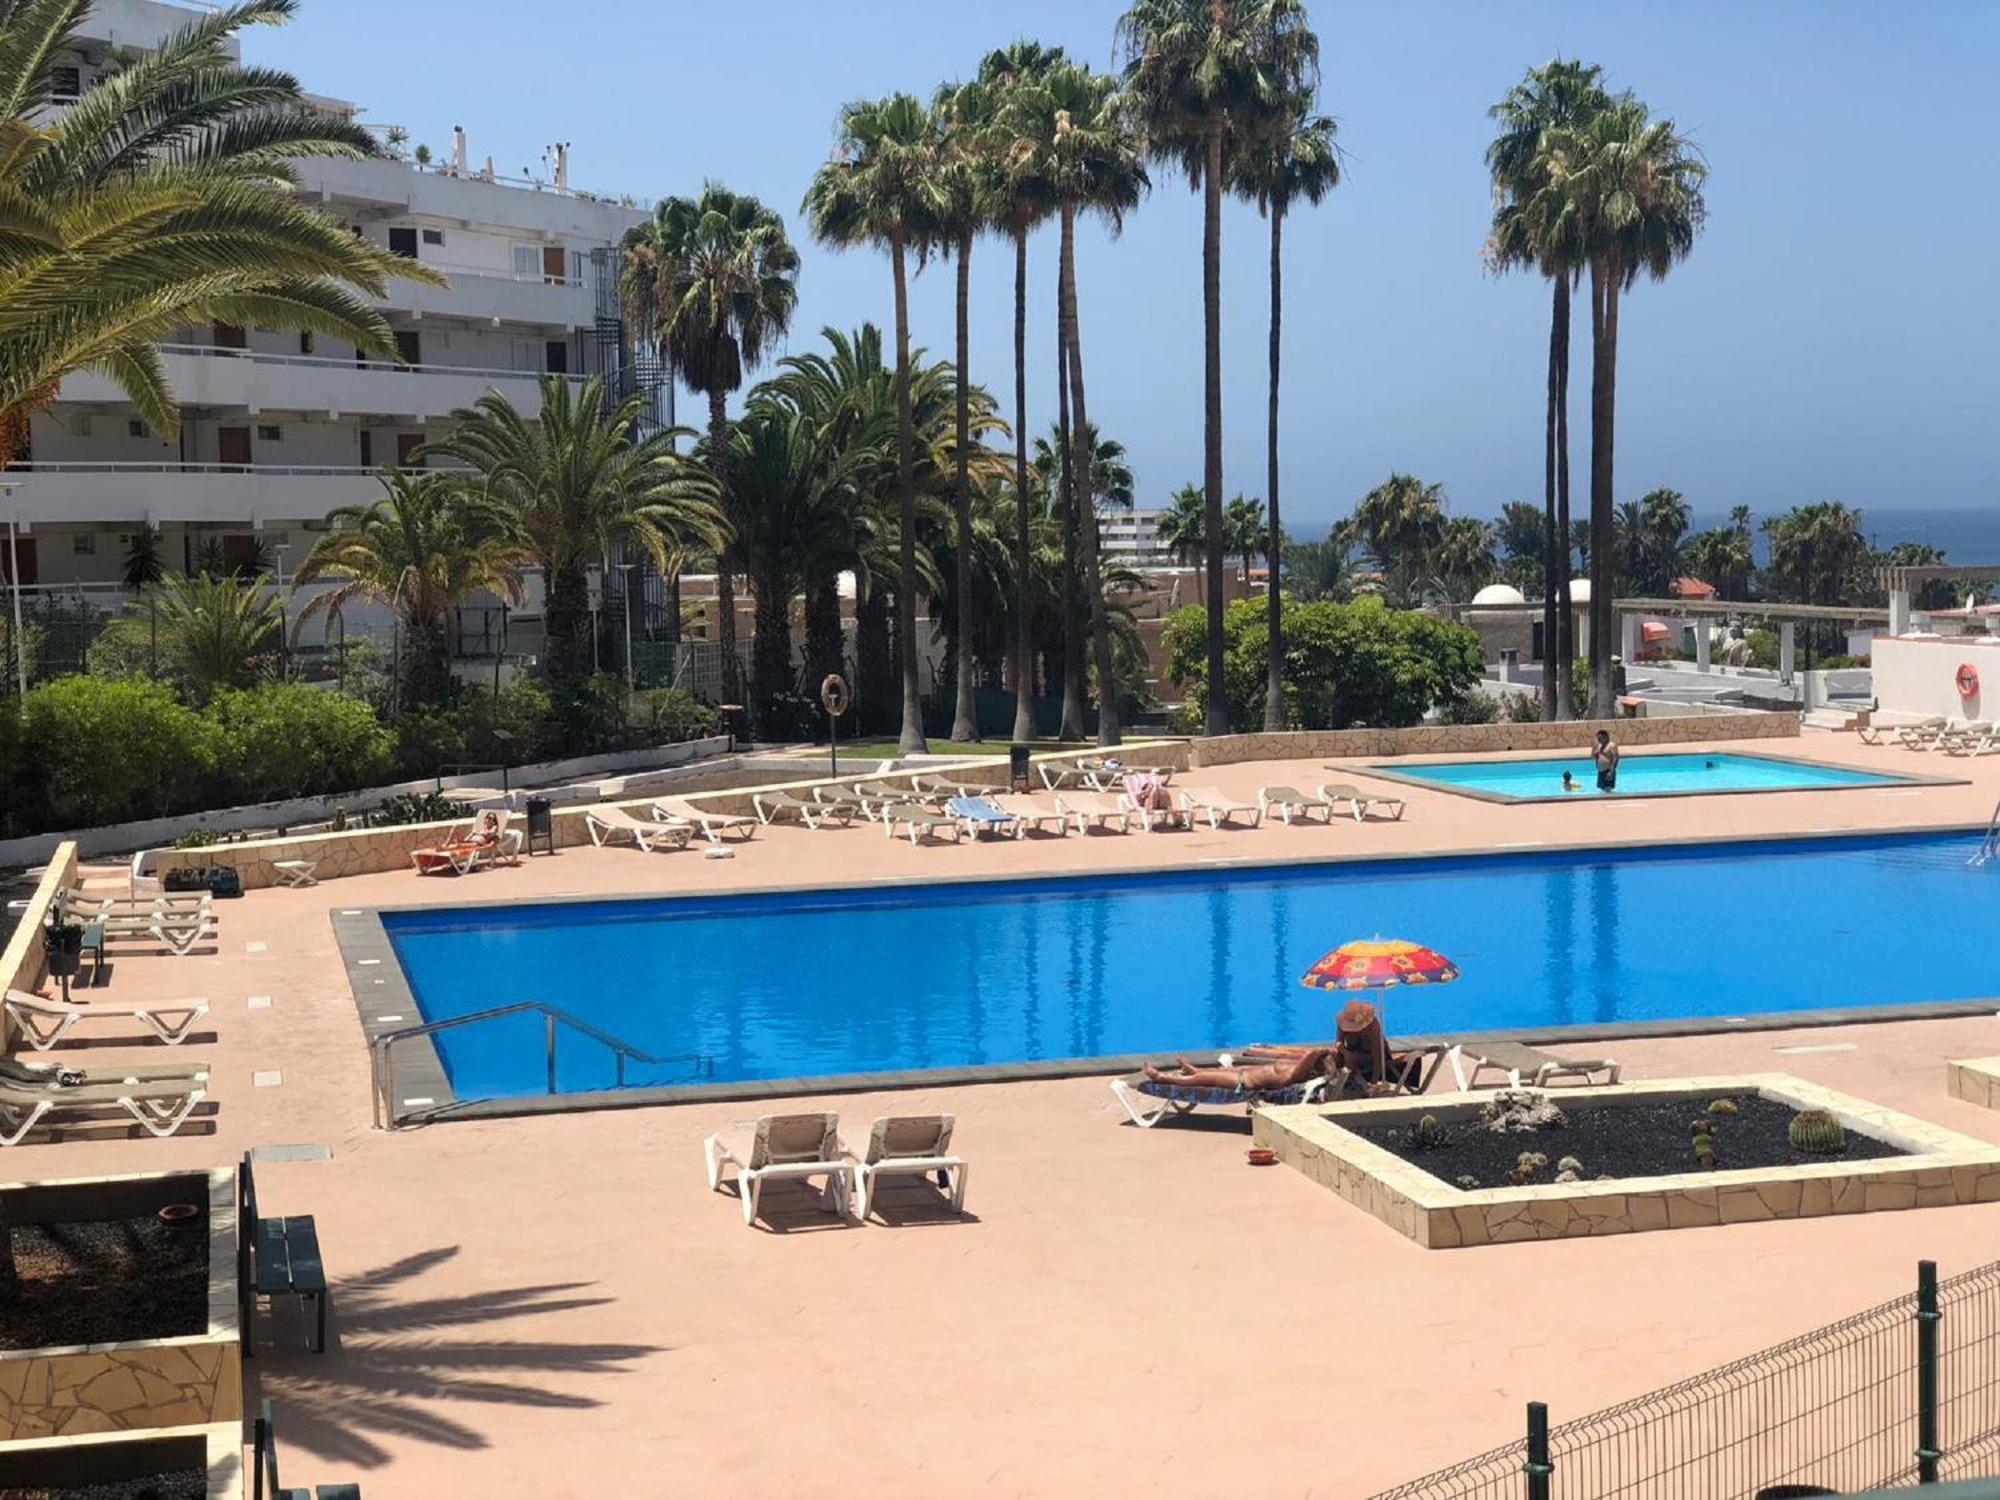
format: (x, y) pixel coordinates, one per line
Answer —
(1904, 1393)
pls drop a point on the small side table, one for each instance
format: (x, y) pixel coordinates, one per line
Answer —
(296, 872)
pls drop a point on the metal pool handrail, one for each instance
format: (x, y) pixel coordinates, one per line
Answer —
(382, 1059)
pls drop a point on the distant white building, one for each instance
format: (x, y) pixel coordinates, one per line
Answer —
(279, 428)
(1132, 536)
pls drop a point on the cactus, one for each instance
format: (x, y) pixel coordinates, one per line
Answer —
(1570, 1165)
(1468, 1181)
(1526, 1165)
(1704, 1149)
(1818, 1132)
(1722, 1106)
(1428, 1133)
(1569, 1177)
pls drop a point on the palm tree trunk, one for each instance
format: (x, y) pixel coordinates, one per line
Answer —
(874, 687)
(964, 721)
(770, 652)
(1216, 719)
(565, 624)
(1024, 561)
(1565, 603)
(1093, 582)
(1553, 562)
(1603, 414)
(823, 640)
(1274, 677)
(725, 582)
(1072, 627)
(911, 741)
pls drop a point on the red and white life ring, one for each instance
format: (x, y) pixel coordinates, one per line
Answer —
(1967, 680)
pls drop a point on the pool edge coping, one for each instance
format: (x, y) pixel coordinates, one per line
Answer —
(1886, 779)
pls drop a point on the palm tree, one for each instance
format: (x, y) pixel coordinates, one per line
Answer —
(425, 547)
(1462, 561)
(1401, 523)
(1183, 527)
(1721, 556)
(1297, 161)
(579, 487)
(158, 199)
(1206, 77)
(218, 633)
(1021, 199)
(1634, 184)
(1245, 531)
(1534, 226)
(711, 282)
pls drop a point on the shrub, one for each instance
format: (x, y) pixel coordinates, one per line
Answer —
(587, 717)
(284, 739)
(418, 807)
(667, 716)
(112, 752)
(1474, 708)
(123, 649)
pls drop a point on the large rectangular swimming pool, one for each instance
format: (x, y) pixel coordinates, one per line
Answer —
(1540, 778)
(821, 983)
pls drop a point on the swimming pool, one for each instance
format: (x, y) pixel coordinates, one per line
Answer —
(813, 984)
(1540, 779)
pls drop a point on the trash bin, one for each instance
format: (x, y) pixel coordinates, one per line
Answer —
(1017, 767)
(541, 825)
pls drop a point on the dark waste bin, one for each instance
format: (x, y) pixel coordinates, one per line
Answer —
(541, 825)
(1017, 767)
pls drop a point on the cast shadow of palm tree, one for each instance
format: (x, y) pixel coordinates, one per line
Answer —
(392, 1360)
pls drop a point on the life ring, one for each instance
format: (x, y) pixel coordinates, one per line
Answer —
(833, 694)
(1967, 680)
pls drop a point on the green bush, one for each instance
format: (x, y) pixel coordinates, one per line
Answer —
(99, 752)
(284, 739)
(123, 649)
(1473, 708)
(667, 716)
(418, 807)
(1345, 664)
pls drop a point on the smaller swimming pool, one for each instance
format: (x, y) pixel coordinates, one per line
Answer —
(1540, 779)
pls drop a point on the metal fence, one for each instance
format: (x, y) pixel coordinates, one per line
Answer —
(1905, 1393)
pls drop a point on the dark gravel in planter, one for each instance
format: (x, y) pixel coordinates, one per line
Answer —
(106, 1282)
(1651, 1139)
(166, 1484)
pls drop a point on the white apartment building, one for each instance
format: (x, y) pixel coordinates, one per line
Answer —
(279, 428)
(1130, 537)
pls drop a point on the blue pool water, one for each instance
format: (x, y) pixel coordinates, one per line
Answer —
(1638, 775)
(811, 984)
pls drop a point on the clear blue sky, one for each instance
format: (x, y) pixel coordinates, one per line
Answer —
(1836, 334)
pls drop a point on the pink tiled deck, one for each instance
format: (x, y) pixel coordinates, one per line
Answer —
(557, 1307)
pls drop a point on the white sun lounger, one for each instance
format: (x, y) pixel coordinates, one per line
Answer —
(1286, 803)
(1101, 808)
(160, 1107)
(781, 1146)
(919, 822)
(1031, 812)
(1207, 802)
(1974, 738)
(45, 1022)
(177, 932)
(712, 825)
(1058, 774)
(51, 1077)
(814, 814)
(1922, 734)
(908, 1146)
(1468, 1070)
(1361, 802)
(609, 824)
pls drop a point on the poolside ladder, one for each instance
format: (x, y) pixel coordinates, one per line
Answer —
(1989, 847)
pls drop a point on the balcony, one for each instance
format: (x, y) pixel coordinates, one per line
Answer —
(237, 379)
(170, 493)
(487, 295)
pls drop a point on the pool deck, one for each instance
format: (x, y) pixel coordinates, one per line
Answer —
(556, 1306)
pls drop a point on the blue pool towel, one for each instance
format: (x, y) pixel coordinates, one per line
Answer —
(977, 810)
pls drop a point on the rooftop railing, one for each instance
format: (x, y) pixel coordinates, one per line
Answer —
(327, 362)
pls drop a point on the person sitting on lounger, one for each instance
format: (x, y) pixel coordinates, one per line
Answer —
(1284, 1073)
(1362, 1049)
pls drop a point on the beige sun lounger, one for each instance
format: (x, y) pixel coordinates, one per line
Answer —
(876, 795)
(1286, 803)
(919, 822)
(178, 932)
(1101, 808)
(845, 798)
(772, 806)
(45, 1022)
(1922, 734)
(908, 1146)
(712, 825)
(1972, 738)
(53, 1076)
(1468, 1070)
(609, 824)
(1207, 802)
(781, 1146)
(1362, 802)
(160, 1107)
(1030, 812)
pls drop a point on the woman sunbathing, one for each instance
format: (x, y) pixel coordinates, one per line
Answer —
(1283, 1073)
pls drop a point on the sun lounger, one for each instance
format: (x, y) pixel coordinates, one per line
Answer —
(609, 824)
(1972, 738)
(977, 815)
(908, 1146)
(918, 821)
(943, 788)
(53, 1076)
(160, 1107)
(848, 800)
(781, 1146)
(1922, 734)
(772, 806)
(1361, 802)
(178, 932)
(1057, 774)
(44, 1022)
(1031, 812)
(712, 825)
(1101, 808)
(1468, 1069)
(1286, 803)
(1177, 1099)
(1207, 802)
(876, 795)
(1108, 773)
(485, 841)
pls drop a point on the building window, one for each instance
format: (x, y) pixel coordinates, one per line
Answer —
(307, 343)
(268, 433)
(407, 444)
(134, 427)
(367, 449)
(403, 241)
(528, 261)
(558, 357)
(83, 543)
(68, 82)
(433, 236)
(409, 346)
(230, 336)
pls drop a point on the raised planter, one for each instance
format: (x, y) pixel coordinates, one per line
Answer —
(1937, 1168)
(99, 1461)
(132, 1384)
(1976, 1080)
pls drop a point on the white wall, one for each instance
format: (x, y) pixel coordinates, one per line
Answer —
(1918, 677)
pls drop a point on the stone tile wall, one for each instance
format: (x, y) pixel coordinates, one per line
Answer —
(1474, 739)
(1976, 1080)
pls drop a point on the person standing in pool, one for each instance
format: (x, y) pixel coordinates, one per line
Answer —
(1605, 758)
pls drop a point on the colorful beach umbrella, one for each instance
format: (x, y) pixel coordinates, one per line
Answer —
(1379, 964)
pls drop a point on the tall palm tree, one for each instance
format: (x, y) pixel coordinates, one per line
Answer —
(1401, 523)
(1207, 77)
(1298, 161)
(161, 198)
(711, 282)
(424, 548)
(1635, 184)
(1246, 533)
(1534, 225)
(1021, 199)
(1183, 528)
(579, 488)
(881, 187)
(1721, 556)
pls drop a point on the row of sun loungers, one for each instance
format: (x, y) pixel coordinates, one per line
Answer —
(158, 1096)
(801, 1147)
(1953, 736)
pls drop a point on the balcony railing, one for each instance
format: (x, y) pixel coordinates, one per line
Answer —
(171, 467)
(325, 362)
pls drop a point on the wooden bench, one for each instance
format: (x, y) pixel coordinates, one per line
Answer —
(265, 1483)
(277, 1258)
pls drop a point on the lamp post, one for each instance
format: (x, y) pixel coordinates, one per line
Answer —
(7, 489)
(626, 569)
(278, 551)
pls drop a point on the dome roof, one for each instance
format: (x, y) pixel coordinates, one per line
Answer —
(1579, 591)
(1499, 593)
